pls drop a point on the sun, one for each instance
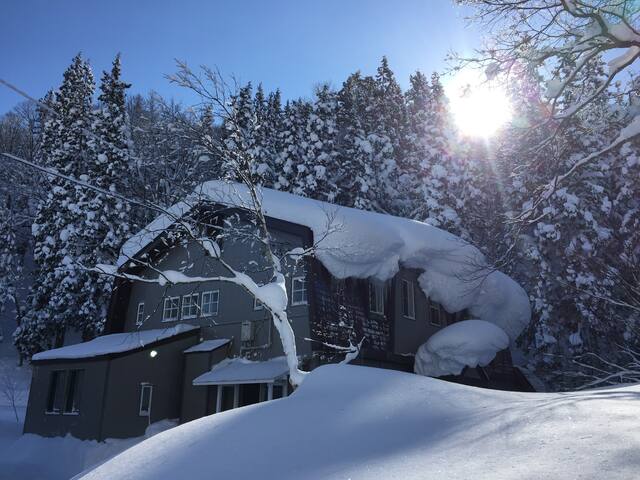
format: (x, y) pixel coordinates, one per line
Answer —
(479, 108)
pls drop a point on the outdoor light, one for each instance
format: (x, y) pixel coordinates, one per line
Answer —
(153, 353)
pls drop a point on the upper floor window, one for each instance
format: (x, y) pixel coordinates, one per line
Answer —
(298, 291)
(408, 301)
(436, 314)
(171, 309)
(140, 314)
(210, 303)
(376, 297)
(257, 304)
(190, 306)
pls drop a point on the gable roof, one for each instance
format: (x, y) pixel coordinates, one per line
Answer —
(362, 244)
(113, 344)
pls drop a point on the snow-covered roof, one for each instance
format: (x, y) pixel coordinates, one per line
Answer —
(462, 344)
(361, 244)
(241, 370)
(114, 343)
(207, 345)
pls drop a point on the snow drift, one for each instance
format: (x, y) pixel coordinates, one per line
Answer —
(365, 423)
(467, 343)
(361, 244)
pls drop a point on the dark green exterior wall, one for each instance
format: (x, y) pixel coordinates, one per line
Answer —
(86, 424)
(195, 399)
(110, 392)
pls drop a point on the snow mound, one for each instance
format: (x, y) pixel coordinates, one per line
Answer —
(114, 343)
(361, 244)
(463, 344)
(364, 423)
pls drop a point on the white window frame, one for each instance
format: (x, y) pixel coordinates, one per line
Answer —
(143, 386)
(165, 309)
(378, 288)
(190, 306)
(411, 307)
(210, 294)
(302, 290)
(140, 314)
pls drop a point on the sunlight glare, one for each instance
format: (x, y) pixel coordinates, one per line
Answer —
(479, 109)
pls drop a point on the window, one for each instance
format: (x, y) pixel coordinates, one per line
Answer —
(140, 314)
(171, 309)
(64, 392)
(408, 302)
(257, 304)
(190, 306)
(146, 393)
(74, 385)
(55, 397)
(436, 314)
(376, 297)
(299, 291)
(210, 303)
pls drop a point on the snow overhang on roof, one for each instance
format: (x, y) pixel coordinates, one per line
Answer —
(113, 344)
(231, 371)
(361, 244)
(208, 345)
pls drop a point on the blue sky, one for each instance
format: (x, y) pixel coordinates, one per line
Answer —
(289, 44)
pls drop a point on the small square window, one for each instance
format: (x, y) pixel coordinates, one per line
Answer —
(171, 309)
(190, 306)
(299, 291)
(210, 303)
(140, 314)
(146, 395)
(376, 297)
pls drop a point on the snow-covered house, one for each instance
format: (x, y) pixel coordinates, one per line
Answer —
(185, 350)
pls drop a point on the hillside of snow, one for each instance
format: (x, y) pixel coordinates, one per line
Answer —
(365, 423)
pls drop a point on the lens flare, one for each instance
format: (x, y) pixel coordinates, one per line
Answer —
(479, 108)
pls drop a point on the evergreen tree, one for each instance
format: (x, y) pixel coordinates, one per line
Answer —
(292, 143)
(315, 172)
(65, 147)
(106, 218)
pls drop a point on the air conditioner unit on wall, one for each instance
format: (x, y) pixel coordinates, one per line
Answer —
(247, 333)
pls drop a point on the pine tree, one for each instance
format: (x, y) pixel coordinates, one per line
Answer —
(65, 147)
(435, 178)
(315, 172)
(106, 218)
(292, 143)
(357, 176)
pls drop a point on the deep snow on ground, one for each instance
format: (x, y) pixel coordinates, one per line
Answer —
(364, 423)
(32, 457)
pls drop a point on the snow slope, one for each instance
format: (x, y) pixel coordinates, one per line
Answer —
(364, 423)
(361, 244)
